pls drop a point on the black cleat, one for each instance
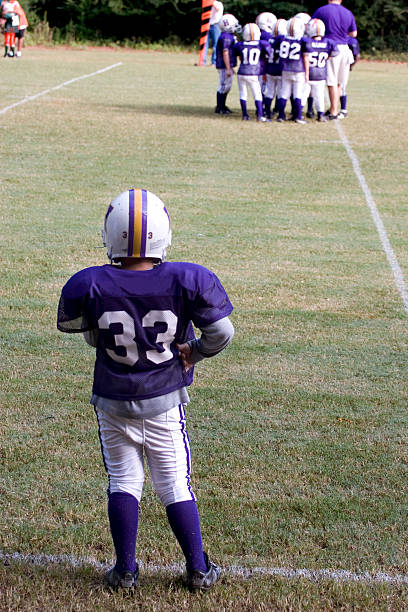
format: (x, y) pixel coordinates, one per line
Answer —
(203, 581)
(125, 580)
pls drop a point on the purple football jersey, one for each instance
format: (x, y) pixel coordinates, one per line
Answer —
(338, 21)
(139, 317)
(225, 41)
(291, 53)
(319, 51)
(354, 45)
(274, 65)
(251, 53)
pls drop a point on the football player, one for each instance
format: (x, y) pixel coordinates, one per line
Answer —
(319, 48)
(354, 55)
(295, 68)
(274, 69)
(225, 60)
(250, 51)
(138, 313)
(10, 15)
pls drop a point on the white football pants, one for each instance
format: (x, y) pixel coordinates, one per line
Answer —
(164, 441)
(225, 81)
(292, 83)
(245, 81)
(316, 89)
(272, 87)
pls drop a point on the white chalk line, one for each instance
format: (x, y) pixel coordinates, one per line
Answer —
(389, 251)
(60, 86)
(237, 571)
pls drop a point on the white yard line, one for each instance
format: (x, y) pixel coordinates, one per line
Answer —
(389, 251)
(233, 570)
(64, 84)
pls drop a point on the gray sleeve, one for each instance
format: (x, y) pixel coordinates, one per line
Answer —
(214, 338)
(91, 337)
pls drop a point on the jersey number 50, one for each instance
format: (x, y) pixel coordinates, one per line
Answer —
(127, 340)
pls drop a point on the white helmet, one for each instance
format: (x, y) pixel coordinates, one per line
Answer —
(250, 32)
(266, 21)
(229, 23)
(295, 28)
(315, 27)
(279, 29)
(305, 17)
(137, 224)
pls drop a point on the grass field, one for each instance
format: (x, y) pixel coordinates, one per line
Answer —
(299, 429)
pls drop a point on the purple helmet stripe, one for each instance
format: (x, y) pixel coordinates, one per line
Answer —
(131, 230)
(144, 224)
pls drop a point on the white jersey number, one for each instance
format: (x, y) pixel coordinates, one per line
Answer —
(126, 338)
(250, 56)
(290, 50)
(318, 59)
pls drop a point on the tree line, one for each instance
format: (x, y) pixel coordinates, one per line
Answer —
(382, 24)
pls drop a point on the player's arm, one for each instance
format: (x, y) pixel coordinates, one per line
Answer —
(214, 339)
(307, 65)
(226, 58)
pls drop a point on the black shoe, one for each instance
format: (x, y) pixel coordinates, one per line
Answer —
(226, 111)
(331, 117)
(245, 117)
(322, 118)
(125, 580)
(310, 114)
(203, 581)
(218, 110)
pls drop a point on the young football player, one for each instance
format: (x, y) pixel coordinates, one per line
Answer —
(274, 69)
(295, 68)
(250, 51)
(319, 49)
(354, 58)
(138, 313)
(225, 60)
(265, 22)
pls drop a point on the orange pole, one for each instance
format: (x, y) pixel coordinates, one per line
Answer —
(205, 26)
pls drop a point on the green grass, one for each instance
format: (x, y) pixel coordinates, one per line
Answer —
(299, 429)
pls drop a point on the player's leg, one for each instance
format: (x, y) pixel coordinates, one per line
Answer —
(243, 96)
(12, 51)
(269, 94)
(167, 450)
(253, 82)
(298, 91)
(344, 74)
(6, 43)
(318, 89)
(122, 451)
(284, 95)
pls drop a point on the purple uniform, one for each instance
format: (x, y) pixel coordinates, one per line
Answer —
(291, 53)
(354, 45)
(251, 53)
(319, 51)
(225, 41)
(139, 318)
(274, 65)
(338, 21)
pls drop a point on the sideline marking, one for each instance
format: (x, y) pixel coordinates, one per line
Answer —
(234, 570)
(389, 251)
(46, 91)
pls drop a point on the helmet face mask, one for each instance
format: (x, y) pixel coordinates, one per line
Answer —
(229, 23)
(136, 225)
(266, 21)
(251, 32)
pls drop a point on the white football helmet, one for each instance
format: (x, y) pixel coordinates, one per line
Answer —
(305, 17)
(250, 31)
(137, 224)
(315, 27)
(229, 23)
(279, 29)
(266, 21)
(295, 28)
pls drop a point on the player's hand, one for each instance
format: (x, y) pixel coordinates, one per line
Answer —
(184, 355)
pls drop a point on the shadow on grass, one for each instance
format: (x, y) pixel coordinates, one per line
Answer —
(173, 110)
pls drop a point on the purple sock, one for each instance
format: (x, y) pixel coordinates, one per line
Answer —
(310, 104)
(185, 523)
(259, 108)
(281, 107)
(244, 108)
(343, 102)
(123, 512)
(297, 108)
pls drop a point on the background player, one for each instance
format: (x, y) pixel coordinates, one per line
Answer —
(138, 313)
(226, 60)
(354, 58)
(295, 68)
(11, 26)
(250, 51)
(319, 49)
(274, 69)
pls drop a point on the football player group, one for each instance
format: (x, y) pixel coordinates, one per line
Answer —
(14, 21)
(281, 60)
(138, 312)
